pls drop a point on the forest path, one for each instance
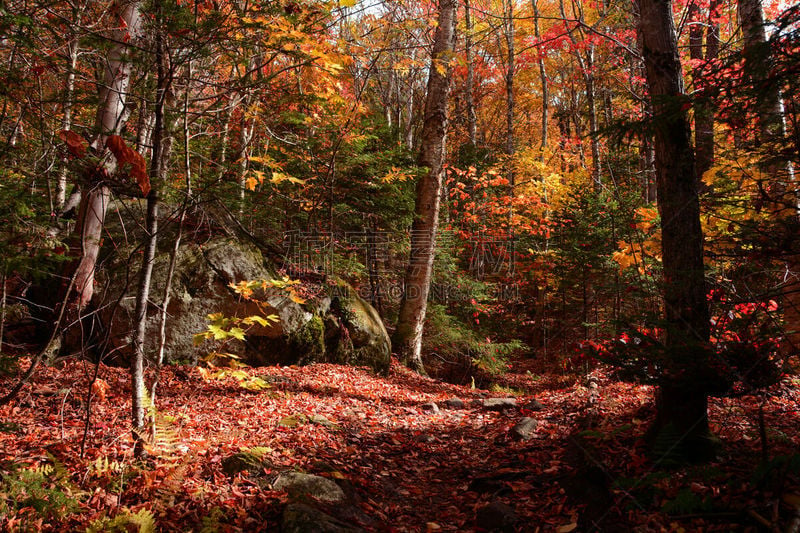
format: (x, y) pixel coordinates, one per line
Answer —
(405, 466)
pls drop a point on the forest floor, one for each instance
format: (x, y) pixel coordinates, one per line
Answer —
(403, 468)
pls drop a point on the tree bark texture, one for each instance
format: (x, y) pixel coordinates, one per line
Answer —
(681, 401)
(408, 334)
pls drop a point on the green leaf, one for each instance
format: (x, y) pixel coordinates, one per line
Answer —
(218, 332)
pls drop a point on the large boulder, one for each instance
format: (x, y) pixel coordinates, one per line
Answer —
(339, 327)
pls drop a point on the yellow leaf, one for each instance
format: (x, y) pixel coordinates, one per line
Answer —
(295, 298)
(567, 528)
(250, 183)
(278, 177)
(347, 3)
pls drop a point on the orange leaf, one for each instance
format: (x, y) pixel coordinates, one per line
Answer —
(100, 389)
(76, 144)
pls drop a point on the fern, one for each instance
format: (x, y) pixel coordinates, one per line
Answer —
(141, 521)
(102, 466)
(212, 522)
(46, 488)
(172, 485)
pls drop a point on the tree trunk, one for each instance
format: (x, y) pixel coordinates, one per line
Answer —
(408, 334)
(586, 65)
(66, 124)
(508, 23)
(682, 418)
(162, 147)
(472, 120)
(703, 112)
(591, 102)
(770, 135)
(544, 81)
(110, 118)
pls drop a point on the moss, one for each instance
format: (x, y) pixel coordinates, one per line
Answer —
(309, 341)
(373, 356)
(251, 461)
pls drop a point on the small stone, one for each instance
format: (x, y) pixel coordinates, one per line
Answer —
(454, 403)
(292, 421)
(525, 429)
(499, 404)
(321, 420)
(299, 485)
(534, 405)
(497, 516)
(430, 407)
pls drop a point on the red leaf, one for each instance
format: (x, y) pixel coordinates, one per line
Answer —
(127, 155)
(76, 144)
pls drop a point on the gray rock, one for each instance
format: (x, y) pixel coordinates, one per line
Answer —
(430, 407)
(300, 486)
(533, 405)
(454, 403)
(499, 404)
(301, 518)
(525, 429)
(497, 516)
(342, 328)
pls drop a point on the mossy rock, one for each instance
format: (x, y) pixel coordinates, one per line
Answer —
(249, 461)
(342, 328)
(302, 518)
(309, 340)
(363, 340)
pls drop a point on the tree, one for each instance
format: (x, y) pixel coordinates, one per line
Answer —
(411, 319)
(703, 111)
(110, 119)
(770, 136)
(682, 400)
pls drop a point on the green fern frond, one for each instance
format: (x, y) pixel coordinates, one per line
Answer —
(141, 521)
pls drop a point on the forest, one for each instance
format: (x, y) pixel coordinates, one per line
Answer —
(395, 265)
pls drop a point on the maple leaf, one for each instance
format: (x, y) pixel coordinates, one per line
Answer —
(278, 177)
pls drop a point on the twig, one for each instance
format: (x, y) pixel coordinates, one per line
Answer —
(762, 432)
(63, 402)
